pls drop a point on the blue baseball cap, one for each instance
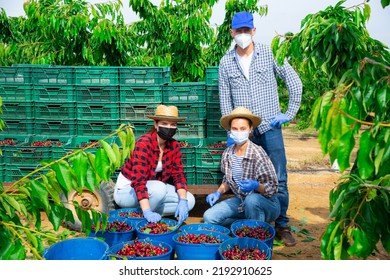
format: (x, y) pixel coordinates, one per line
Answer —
(242, 19)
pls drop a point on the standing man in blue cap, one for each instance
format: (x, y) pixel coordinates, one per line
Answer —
(247, 77)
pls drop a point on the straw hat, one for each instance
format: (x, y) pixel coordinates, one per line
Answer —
(239, 112)
(166, 113)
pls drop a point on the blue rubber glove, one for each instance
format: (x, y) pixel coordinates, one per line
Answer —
(229, 141)
(213, 197)
(248, 185)
(277, 121)
(151, 217)
(182, 210)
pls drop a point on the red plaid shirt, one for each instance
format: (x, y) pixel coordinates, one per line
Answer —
(141, 166)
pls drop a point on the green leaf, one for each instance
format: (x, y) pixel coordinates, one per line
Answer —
(118, 162)
(383, 97)
(110, 152)
(64, 175)
(345, 146)
(12, 201)
(80, 165)
(102, 164)
(364, 159)
(39, 195)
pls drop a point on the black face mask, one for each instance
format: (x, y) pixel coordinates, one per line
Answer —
(166, 133)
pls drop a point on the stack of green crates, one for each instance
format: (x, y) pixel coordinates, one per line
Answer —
(49, 111)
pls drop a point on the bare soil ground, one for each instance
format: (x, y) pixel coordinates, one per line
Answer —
(310, 179)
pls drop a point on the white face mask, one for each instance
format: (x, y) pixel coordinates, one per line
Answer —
(243, 40)
(239, 137)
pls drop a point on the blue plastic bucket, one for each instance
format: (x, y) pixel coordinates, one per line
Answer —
(205, 251)
(163, 237)
(203, 226)
(112, 238)
(112, 252)
(255, 223)
(80, 248)
(125, 213)
(244, 242)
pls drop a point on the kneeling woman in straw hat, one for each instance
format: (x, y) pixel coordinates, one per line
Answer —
(248, 173)
(153, 177)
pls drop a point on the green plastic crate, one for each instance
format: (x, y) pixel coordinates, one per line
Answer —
(96, 127)
(210, 153)
(18, 110)
(15, 126)
(190, 174)
(13, 139)
(16, 93)
(12, 172)
(97, 75)
(135, 76)
(66, 127)
(54, 93)
(187, 149)
(214, 129)
(190, 129)
(211, 75)
(141, 94)
(97, 94)
(53, 75)
(23, 155)
(15, 75)
(212, 94)
(141, 127)
(193, 112)
(213, 111)
(55, 110)
(208, 176)
(98, 111)
(137, 112)
(176, 93)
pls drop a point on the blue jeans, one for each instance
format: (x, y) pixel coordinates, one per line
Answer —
(256, 206)
(272, 142)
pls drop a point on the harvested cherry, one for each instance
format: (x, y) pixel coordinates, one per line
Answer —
(141, 249)
(115, 226)
(237, 253)
(198, 238)
(257, 232)
(131, 214)
(155, 228)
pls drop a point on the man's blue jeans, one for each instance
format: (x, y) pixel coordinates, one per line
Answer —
(256, 206)
(272, 142)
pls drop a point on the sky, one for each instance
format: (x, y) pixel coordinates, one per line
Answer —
(283, 16)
